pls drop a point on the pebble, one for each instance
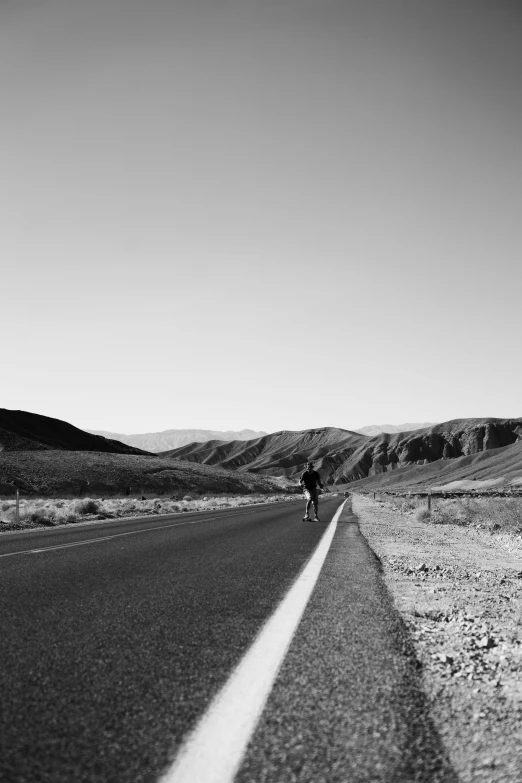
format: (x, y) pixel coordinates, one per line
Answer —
(486, 642)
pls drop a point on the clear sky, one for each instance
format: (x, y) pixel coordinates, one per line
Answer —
(274, 214)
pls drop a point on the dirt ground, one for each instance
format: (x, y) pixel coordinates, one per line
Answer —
(460, 593)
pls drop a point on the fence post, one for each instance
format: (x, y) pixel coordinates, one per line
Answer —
(429, 499)
(374, 495)
(17, 506)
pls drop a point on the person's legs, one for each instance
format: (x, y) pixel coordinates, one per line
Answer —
(315, 500)
(308, 497)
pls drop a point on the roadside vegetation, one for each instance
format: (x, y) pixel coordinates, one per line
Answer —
(47, 512)
(490, 514)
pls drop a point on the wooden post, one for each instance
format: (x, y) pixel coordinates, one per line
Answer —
(429, 500)
(17, 506)
(374, 495)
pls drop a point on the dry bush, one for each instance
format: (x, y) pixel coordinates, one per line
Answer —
(503, 514)
(456, 512)
(446, 513)
(406, 504)
(66, 516)
(127, 507)
(422, 514)
(493, 514)
(86, 506)
(32, 514)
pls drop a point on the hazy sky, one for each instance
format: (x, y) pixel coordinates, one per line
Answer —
(260, 213)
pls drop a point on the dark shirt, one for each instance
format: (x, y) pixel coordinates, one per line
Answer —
(310, 479)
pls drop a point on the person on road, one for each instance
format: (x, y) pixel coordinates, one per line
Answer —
(309, 482)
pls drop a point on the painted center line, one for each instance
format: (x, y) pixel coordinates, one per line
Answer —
(119, 535)
(213, 752)
(94, 540)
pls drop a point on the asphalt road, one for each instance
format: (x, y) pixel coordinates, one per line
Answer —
(115, 637)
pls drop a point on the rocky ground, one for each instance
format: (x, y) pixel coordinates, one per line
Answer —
(460, 593)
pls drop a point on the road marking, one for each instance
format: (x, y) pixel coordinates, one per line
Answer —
(91, 522)
(128, 533)
(213, 752)
(93, 540)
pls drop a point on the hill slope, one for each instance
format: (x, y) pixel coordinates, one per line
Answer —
(174, 439)
(483, 470)
(21, 430)
(64, 473)
(280, 453)
(343, 456)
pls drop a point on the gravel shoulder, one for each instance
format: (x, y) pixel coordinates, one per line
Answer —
(460, 593)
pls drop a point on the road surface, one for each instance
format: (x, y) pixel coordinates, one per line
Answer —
(117, 637)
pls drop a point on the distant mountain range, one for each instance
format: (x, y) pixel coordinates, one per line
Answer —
(376, 429)
(158, 442)
(343, 456)
(173, 439)
(458, 450)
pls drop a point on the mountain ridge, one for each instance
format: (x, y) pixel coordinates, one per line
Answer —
(344, 456)
(165, 440)
(377, 429)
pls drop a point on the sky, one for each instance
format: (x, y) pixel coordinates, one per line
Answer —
(257, 213)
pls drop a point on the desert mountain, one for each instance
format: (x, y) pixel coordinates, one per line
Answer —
(376, 429)
(174, 439)
(484, 470)
(343, 456)
(280, 453)
(23, 431)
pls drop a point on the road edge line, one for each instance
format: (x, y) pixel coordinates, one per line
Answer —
(214, 750)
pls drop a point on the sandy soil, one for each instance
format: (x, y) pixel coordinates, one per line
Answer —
(460, 592)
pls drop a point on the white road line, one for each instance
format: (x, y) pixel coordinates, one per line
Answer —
(118, 535)
(96, 540)
(4, 534)
(213, 752)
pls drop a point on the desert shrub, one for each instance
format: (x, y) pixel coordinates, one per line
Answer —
(445, 513)
(127, 506)
(503, 514)
(493, 514)
(6, 505)
(407, 504)
(422, 514)
(38, 516)
(187, 497)
(66, 516)
(87, 506)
